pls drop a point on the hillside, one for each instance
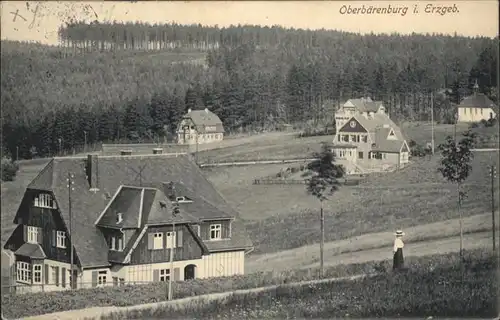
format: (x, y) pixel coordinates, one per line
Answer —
(254, 78)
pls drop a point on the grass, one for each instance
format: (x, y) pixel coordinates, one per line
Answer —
(431, 286)
(40, 303)
(413, 196)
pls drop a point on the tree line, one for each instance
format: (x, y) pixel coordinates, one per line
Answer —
(256, 78)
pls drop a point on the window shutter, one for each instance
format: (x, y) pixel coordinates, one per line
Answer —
(57, 276)
(150, 241)
(46, 274)
(94, 279)
(25, 233)
(54, 238)
(179, 238)
(63, 277)
(176, 274)
(40, 235)
(156, 275)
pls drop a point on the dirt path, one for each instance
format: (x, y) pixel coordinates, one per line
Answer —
(471, 241)
(343, 251)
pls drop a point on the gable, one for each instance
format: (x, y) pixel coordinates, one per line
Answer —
(405, 148)
(353, 125)
(126, 202)
(349, 104)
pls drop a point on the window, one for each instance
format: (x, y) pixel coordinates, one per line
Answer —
(215, 231)
(101, 278)
(164, 275)
(384, 155)
(37, 273)
(360, 155)
(53, 275)
(116, 243)
(391, 133)
(23, 271)
(33, 234)
(345, 138)
(158, 240)
(61, 239)
(119, 217)
(338, 137)
(44, 200)
(353, 138)
(475, 110)
(170, 241)
(365, 138)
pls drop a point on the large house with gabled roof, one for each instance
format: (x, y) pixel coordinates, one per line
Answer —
(200, 126)
(476, 107)
(370, 142)
(118, 216)
(363, 106)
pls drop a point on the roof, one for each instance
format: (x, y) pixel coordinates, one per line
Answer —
(379, 126)
(205, 118)
(113, 172)
(31, 250)
(366, 104)
(478, 100)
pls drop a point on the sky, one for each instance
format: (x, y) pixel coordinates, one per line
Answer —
(39, 20)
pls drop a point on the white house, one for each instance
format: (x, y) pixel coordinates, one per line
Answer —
(476, 107)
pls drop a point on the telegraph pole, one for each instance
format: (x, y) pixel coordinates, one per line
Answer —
(175, 211)
(432, 121)
(85, 143)
(70, 188)
(492, 175)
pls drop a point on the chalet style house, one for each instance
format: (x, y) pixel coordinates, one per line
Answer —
(476, 107)
(200, 126)
(362, 106)
(118, 216)
(370, 141)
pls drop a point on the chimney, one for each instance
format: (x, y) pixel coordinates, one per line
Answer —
(125, 152)
(93, 172)
(206, 110)
(157, 151)
(189, 110)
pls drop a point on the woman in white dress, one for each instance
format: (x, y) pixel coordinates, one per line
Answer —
(398, 261)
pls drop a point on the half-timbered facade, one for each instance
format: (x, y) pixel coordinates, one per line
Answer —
(200, 126)
(120, 220)
(370, 143)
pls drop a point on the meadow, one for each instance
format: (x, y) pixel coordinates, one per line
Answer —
(432, 286)
(420, 269)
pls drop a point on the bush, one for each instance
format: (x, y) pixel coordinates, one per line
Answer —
(431, 287)
(17, 306)
(9, 169)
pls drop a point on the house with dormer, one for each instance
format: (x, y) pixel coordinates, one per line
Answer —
(123, 216)
(200, 126)
(370, 142)
(352, 107)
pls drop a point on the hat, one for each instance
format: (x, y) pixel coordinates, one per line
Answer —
(399, 233)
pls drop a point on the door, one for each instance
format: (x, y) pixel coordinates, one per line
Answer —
(189, 272)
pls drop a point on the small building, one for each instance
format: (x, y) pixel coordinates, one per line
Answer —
(200, 126)
(124, 229)
(363, 106)
(372, 142)
(476, 107)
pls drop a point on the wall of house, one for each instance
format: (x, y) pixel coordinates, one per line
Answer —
(48, 220)
(189, 249)
(224, 264)
(474, 114)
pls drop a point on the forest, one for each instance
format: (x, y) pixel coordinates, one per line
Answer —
(114, 82)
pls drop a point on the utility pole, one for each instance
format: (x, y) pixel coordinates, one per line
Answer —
(173, 237)
(85, 143)
(70, 188)
(493, 175)
(432, 121)
(196, 158)
(60, 146)
(322, 243)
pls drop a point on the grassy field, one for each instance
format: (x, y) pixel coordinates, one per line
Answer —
(431, 286)
(432, 266)
(413, 196)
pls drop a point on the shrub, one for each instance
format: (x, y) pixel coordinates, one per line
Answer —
(9, 169)
(23, 305)
(432, 288)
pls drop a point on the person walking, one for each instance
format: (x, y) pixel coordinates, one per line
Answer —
(398, 261)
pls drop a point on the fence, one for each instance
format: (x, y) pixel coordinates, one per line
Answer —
(269, 181)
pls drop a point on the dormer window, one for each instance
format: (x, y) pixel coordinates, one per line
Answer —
(391, 133)
(183, 200)
(116, 243)
(119, 217)
(45, 200)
